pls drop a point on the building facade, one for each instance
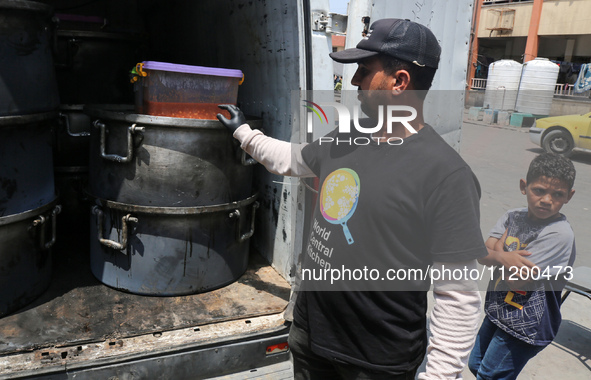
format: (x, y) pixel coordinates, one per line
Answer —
(521, 30)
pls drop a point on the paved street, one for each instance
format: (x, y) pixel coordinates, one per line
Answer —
(500, 157)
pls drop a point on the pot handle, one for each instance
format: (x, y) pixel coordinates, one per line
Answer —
(66, 121)
(40, 221)
(247, 161)
(121, 246)
(113, 157)
(240, 237)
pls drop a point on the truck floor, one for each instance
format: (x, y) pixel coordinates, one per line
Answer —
(77, 308)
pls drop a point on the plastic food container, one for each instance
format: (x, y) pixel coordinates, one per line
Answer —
(194, 92)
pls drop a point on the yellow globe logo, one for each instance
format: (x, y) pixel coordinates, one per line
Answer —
(339, 196)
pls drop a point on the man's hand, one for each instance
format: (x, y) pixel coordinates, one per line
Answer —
(237, 117)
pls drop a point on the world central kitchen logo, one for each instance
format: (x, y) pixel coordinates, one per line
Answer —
(392, 116)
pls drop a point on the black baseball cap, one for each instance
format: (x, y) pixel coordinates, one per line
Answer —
(402, 39)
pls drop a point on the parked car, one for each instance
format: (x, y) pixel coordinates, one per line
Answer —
(562, 134)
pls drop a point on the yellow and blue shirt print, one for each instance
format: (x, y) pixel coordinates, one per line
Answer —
(338, 198)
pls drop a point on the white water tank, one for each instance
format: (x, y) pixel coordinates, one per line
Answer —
(536, 89)
(502, 84)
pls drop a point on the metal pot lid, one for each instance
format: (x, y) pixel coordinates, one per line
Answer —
(4, 220)
(25, 6)
(72, 107)
(196, 210)
(132, 37)
(125, 113)
(12, 120)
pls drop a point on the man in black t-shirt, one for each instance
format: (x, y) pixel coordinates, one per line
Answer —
(382, 208)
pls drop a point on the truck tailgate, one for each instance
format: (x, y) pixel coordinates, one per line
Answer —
(81, 323)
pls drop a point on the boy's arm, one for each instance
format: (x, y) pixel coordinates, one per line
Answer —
(498, 256)
(553, 249)
(492, 247)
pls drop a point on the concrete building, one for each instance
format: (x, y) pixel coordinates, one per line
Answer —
(559, 30)
(338, 44)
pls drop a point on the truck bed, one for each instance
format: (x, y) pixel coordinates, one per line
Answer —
(80, 322)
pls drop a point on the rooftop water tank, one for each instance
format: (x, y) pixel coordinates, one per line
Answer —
(536, 89)
(502, 84)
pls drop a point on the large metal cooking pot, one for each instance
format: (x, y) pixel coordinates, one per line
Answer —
(25, 256)
(93, 67)
(170, 250)
(27, 75)
(26, 172)
(165, 161)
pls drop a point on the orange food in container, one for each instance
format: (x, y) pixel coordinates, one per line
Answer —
(185, 91)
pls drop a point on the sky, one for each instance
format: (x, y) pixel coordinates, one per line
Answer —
(339, 6)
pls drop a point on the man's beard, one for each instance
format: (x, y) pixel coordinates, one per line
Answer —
(371, 102)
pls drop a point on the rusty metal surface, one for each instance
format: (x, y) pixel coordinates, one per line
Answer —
(190, 353)
(78, 309)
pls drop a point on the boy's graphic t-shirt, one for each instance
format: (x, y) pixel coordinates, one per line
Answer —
(532, 316)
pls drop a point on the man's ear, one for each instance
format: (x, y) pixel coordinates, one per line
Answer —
(402, 81)
(522, 186)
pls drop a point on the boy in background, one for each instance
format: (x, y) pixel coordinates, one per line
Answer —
(520, 323)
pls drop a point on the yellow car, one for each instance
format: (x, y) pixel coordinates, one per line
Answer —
(562, 134)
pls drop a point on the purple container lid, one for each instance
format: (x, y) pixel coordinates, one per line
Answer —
(189, 69)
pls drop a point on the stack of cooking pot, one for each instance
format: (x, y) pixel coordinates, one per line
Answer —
(173, 202)
(28, 111)
(92, 66)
